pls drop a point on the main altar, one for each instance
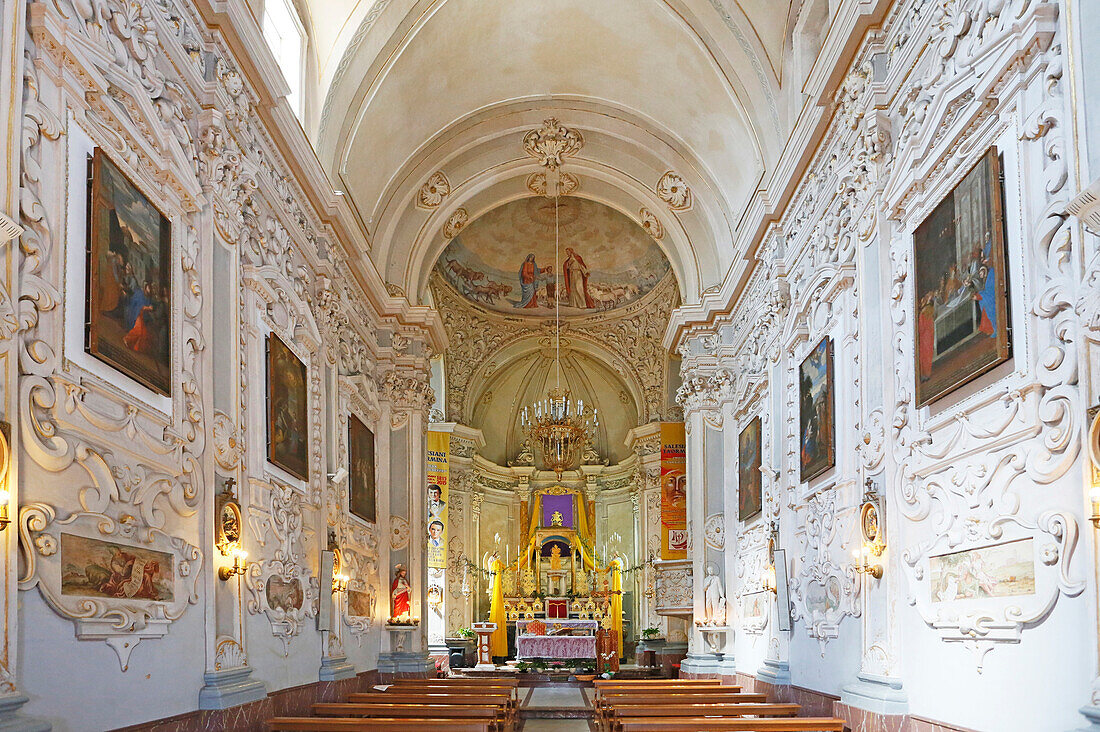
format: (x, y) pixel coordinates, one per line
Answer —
(562, 598)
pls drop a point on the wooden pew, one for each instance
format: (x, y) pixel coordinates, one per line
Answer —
(460, 680)
(334, 724)
(598, 683)
(659, 695)
(502, 699)
(455, 685)
(731, 724)
(638, 711)
(497, 717)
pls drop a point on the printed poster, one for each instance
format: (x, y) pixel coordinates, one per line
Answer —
(439, 447)
(674, 535)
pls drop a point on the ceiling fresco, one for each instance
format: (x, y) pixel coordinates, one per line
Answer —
(504, 260)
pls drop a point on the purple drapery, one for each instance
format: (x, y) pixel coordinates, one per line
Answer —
(558, 503)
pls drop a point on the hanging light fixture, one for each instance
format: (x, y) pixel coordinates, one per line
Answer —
(560, 427)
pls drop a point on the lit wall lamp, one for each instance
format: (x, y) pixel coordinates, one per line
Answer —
(240, 566)
(5, 496)
(1094, 456)
(870, 526)
(340, 583)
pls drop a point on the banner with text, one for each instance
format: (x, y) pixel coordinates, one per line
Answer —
(674, 535)
(439, 448)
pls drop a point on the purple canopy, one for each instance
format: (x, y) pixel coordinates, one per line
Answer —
(558, 503)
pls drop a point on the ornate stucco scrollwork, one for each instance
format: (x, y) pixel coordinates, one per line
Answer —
(674, 190)
(434, 190)
(456, 222)
(552, 143)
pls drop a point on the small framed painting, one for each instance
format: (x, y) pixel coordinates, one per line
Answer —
(129, 302)
(362, 496)
(287, 410)
(749, 458)
(960, 288)
(817, 433)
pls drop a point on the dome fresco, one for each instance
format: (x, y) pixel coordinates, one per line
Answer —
(504, 260)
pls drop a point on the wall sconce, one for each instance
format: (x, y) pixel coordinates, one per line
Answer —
(1094, 501)
(339, 583)
(873, 544)
(239, 565)
(1094, 458)
(5, 496)
(769, 571)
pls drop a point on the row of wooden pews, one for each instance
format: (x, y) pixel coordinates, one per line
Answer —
(694, 706)
(454, 705)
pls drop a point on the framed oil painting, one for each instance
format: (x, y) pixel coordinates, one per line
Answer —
(287, 409)
(816, 400)
(749, 494)
(361, 494)
(95, 568)
(960, 286)
(129, 302)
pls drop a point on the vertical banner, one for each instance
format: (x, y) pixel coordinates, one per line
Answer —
(439, 447)
(674, 535)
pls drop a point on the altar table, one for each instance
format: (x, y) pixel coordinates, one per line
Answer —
(556, 646)
(570, 624)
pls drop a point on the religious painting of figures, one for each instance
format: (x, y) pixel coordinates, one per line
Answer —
(1001, 570)
(505, 260)
(287, 410)
(360, 604)
(749, 457)
(361, 494)
(961, 285)
(129, 301)
(95, 568)
(817, 431)
(284, 595)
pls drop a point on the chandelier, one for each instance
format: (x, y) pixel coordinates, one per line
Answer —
(558, 426)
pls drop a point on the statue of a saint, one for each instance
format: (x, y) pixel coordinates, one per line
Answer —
(714, 598)
(399, 592)
(555, 556)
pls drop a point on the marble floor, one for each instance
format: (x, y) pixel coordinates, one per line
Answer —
(557, 709)
(556, 725)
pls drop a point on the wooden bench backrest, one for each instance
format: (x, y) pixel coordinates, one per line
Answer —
(600, 683)
(513, 683)
(333, 724)
(442, 711)
(731, 724)
(502, 701)
(762, 709)
(721, 691)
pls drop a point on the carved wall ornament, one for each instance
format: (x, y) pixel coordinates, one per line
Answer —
(567, 184)
(714, 531)
(122, 580)
(651, 224)
(399, 533)
(552, 143)
(434, 190)
(456, 222)
(229, 654)
(227, 446)
(674, 190)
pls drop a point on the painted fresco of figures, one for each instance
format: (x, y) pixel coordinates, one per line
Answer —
(129, 293)
(94, 568)
(817, 436)
(610, 262)
(400, 590)
(960, 291)
(362, 498)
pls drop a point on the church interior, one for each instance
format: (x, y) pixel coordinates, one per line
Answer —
(504, 365)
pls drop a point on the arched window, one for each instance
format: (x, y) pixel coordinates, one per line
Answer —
(287, 39)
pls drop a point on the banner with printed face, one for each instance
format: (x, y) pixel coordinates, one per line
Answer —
(439, 447)
(674, 535)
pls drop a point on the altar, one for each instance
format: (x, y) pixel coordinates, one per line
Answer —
(566, 639)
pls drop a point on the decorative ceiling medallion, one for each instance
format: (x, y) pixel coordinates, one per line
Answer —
(434, 190)
(536, 183)
(651, 224)
(673, 190)
(551, 143)
(456, 223)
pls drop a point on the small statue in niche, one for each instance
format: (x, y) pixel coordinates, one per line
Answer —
(399, 593)
(555, 557)
(714, 598)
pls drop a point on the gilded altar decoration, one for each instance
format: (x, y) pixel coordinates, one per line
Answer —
(129, 278)
(960, 292)
(556, 519)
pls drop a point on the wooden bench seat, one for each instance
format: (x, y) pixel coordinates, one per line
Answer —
(503, 700)
(601, 683)
(730, 724)
(665, 697)
(334, 724)
(460, 680)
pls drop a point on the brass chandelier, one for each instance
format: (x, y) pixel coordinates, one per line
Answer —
(560, 427)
